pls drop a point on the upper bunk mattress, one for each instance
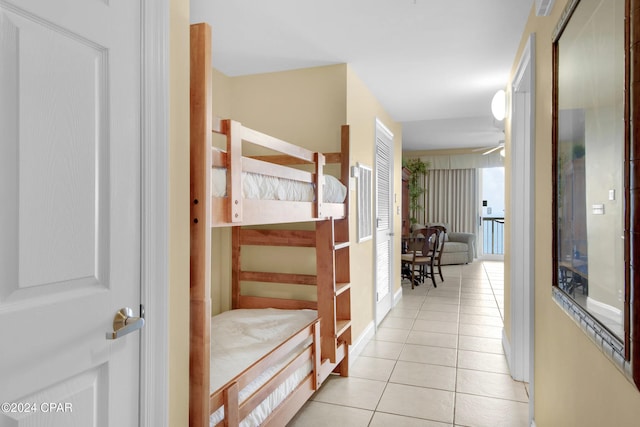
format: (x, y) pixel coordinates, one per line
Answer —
(264, 187)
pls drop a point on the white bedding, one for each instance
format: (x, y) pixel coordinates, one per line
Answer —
(241, 337)
(256, 186)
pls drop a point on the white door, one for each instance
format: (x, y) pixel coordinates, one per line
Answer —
(384, 218)
(69, 211)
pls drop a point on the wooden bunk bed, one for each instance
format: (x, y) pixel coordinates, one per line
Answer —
(321, 344)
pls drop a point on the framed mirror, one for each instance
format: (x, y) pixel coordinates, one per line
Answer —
(594, 198)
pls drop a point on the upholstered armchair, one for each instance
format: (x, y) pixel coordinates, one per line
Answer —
(459, 248)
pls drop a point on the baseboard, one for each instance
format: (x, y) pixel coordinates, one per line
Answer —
(361, 342)
(369, 332)
(397, 296)
(506, 346)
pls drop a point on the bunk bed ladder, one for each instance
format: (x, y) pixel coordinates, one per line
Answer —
(332, 280)
(334, 290)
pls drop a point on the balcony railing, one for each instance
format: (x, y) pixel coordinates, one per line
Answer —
(493, 236)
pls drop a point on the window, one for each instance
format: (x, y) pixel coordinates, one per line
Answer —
(364, 203)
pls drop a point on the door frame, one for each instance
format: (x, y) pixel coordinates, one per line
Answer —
(522, 275)
(154, 190)
(381, 128)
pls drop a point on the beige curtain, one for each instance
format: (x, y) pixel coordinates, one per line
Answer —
(451, 197)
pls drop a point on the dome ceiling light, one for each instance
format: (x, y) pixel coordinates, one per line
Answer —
(499, 105)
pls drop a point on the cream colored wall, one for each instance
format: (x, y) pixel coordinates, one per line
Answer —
(307, 107)
(362, 111)
(575, 384)
(179, 214)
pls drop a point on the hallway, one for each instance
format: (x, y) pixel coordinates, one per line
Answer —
(436, 361)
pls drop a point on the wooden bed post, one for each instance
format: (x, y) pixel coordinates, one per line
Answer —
(320, 161)
(200, 264)
(235, 267)
(345, 163)
(234, 166)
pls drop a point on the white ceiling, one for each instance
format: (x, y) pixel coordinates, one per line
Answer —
(433, 65)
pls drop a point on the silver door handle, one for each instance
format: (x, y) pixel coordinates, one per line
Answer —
(124, 323)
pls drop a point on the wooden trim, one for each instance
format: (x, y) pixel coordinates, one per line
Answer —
(298, 238)
(319, 183)
(200, 248)
(554, 166)
(632, 107)
(288, 160)
(236, 263)
(234, 172)
(275, 170)
(629, 151)
(231, 405)
(272, 143)
(281, 159)
(334, 158)
(341, 364)
(345, 148)
(288, 278)
(325, 270)
(266, 302)
(345, 169)
(263, 212)
(317, 381)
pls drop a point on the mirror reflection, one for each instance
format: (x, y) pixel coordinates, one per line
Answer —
(590, 161)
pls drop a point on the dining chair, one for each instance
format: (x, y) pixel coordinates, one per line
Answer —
(442, 240)
(422, 252)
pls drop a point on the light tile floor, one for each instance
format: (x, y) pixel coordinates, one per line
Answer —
(435, 361)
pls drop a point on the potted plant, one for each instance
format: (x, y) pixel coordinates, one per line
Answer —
(418, 169)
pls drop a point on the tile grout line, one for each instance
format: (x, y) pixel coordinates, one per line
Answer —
(395, 363)
(431, 293)
(493, 292)
(455, 377)
(427, 296)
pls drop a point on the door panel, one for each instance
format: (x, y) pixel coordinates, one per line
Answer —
(80, 401)
(70, 227)
(53, 171)
(384, 218)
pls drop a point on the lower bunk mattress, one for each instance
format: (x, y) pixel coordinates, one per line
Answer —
(264, 187)
(241, 337)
